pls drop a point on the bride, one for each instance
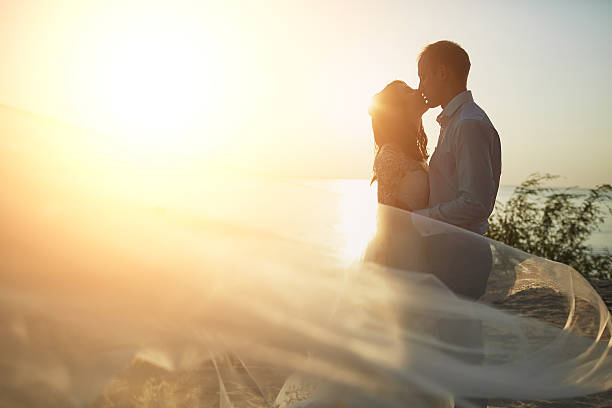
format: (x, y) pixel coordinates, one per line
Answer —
(95, 278)
(401, 171)
(400, 166)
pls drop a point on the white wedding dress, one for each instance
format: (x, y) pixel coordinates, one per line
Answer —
(226, 286)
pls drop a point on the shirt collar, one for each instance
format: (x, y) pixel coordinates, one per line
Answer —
(453, 106)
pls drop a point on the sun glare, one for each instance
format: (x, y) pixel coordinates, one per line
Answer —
(153, 83)
(357, 216)
(158, 86)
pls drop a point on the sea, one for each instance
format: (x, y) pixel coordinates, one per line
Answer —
(360, 190)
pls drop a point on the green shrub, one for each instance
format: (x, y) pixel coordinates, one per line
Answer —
(555, 224)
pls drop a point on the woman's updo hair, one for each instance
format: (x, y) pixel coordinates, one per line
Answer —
(392, 121)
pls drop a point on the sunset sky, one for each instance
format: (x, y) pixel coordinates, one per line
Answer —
(283, 87)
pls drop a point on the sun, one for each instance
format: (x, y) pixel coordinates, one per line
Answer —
(158, 87)
(156, 83)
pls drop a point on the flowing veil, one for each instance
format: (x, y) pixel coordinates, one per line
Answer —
(217, 292)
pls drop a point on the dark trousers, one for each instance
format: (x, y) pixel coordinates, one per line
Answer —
(463, 262)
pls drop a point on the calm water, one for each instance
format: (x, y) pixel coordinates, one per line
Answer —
(356, 191)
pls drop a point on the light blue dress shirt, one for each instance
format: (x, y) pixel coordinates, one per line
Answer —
(465, 168)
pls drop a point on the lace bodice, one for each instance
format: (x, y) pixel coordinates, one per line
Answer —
(402, 181)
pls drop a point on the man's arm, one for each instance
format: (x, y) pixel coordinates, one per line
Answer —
(476, 179)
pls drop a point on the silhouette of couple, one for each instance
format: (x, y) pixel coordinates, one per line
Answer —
(459, 186)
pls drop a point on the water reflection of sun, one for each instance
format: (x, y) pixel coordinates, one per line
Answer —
(356, 216)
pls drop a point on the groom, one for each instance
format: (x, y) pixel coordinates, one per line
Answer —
(464, 173)
(465, 167)
(464, 170)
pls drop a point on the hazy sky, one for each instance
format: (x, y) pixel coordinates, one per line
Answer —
(284, 86)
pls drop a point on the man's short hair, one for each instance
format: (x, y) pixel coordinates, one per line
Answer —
(450, 54)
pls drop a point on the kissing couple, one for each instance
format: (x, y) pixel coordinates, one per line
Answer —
(460, 184)
(457, 187)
